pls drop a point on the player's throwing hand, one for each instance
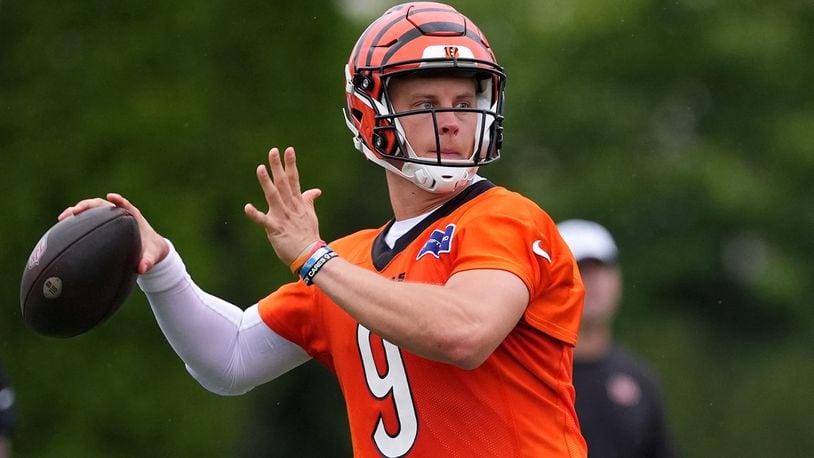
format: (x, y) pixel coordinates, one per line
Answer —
(154, 247)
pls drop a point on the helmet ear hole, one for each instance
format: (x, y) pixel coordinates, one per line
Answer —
(379, 141)
(362, 82)
(384, 141)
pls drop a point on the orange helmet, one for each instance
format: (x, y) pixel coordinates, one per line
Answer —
(411, 39)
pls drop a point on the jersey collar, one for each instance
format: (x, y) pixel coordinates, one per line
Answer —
(382, 254)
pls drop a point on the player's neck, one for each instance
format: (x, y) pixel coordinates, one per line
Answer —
(593, 344)
(408, 200)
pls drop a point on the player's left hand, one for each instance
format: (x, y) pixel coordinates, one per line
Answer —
(291, 223)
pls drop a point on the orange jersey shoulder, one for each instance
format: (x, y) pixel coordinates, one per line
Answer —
(508, 231)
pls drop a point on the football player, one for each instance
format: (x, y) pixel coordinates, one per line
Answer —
(451, 327)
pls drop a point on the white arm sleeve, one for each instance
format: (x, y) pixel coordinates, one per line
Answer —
(227, 350)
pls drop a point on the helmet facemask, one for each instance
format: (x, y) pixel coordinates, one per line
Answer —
(391, 148)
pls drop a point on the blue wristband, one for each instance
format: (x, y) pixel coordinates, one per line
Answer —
(312, 266)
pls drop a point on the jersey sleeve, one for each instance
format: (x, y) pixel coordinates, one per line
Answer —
(517, 236)
(293, 311)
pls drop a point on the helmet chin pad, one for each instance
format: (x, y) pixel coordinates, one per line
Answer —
(437, 179)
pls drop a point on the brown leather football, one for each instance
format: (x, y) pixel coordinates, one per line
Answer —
(80, 272)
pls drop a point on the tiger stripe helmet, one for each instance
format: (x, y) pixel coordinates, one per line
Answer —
(408, 39)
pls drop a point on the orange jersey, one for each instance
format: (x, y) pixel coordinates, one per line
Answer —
(519, 402)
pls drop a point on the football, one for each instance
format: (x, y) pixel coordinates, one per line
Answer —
(80, 272)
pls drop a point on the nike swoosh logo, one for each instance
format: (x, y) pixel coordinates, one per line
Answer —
(539, 251)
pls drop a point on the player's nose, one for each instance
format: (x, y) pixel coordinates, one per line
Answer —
(448, 122)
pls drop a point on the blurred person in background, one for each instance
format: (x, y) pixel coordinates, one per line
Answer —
(6, 415)
(619, 402)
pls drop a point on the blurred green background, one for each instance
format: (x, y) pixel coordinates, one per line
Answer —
(685, 126)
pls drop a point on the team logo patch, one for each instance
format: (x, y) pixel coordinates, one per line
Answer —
(447, 52)
(624, 390)
(452, 52)
(439, 242)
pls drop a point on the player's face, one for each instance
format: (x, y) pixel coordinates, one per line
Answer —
(603, 289)
(456, 130)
